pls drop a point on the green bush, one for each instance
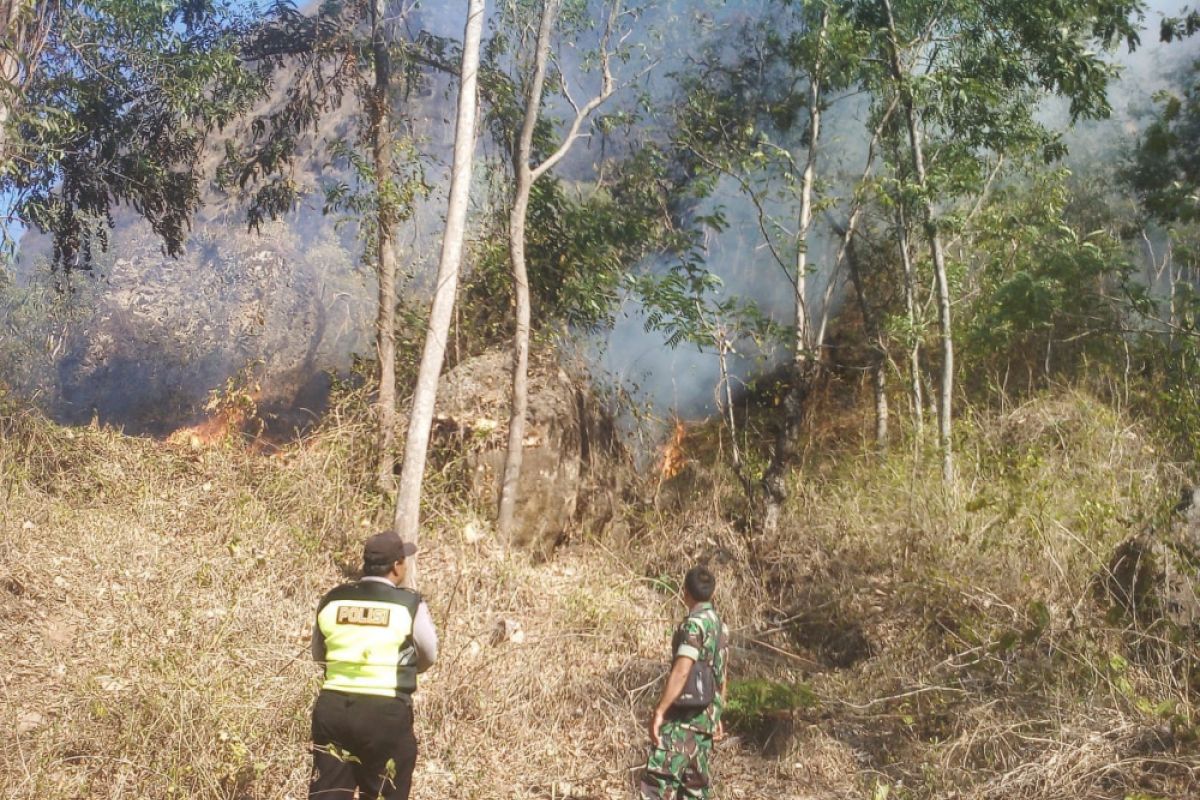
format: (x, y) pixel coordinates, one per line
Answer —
(752, 701)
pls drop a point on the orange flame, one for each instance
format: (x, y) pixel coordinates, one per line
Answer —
(674, 457)
(226, 420)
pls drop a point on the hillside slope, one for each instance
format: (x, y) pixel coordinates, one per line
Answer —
(894, 642)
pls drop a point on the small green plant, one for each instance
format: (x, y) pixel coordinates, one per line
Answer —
(665, 584)
(582, 611)
(752, 701)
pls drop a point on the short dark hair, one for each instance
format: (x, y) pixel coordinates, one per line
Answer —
(376, 569)
(700, 583)
(383, 550)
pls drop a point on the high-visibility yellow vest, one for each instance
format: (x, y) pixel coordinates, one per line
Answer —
(368, 630)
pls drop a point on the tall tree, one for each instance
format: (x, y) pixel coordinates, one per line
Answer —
(1165, 174)
(805, 358)
(970, 74)
(752, 114)
(757, 119)
(379, 122)
(525, 175)
(408, 496)
(318, 59)
(933, 236)
(904, 246)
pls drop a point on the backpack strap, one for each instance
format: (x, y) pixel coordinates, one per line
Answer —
(711, 660)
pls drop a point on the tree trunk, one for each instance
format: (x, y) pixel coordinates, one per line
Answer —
(526, 176)
(935, 246)
(416, 447)
(12, 32)
(910, 308)
(879, 348)
(802, 370)
(385, 325)
(516, 248)
(1173, 282)
(803, 334)
(881, 403)
(943, 290)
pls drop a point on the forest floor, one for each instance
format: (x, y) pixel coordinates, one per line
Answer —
(894, 639)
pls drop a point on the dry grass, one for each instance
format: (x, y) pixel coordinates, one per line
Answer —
(156, 601)
(156, 607)
(954, 639)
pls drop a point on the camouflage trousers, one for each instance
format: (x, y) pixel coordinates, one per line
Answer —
(678, 767)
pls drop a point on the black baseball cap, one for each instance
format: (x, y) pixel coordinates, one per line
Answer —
(387, 548)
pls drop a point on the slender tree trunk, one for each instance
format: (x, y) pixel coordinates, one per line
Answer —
(514, 456)
(879, 373)
(1174, 283)
(526, 177)
(803, 334)
(385, 326)
(943, 288)
(910, 308)
(804, 374)
(804, 362)
(408, 495)
(11, 35)
(935, 246)
(879, 349)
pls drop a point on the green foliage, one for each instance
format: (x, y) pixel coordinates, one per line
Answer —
(117, 108)
(743, 116)
(1049, 296)
(978, 90)
(666, 584)
(317, 60)
(362, 196)
(1002, 50)
(1164, 171)
(1186, 24)
(685, 305)
(752, 701)
(1166, 164)
(1170, 378)
(579, 243)
(579, 238)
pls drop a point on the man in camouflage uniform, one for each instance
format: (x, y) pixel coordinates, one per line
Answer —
(682, 738)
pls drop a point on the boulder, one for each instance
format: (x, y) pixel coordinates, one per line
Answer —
(568, 476)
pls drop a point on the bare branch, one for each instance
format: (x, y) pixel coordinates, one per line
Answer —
(607, 88)
(852, 222)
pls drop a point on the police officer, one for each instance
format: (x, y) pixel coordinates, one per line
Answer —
(681, 735)
(373, 638)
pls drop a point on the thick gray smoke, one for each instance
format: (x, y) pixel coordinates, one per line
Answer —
(683, 381)
(151, 337)
(142, 341)
(753, 254)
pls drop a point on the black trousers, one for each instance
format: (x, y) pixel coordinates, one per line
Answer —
(362, 742)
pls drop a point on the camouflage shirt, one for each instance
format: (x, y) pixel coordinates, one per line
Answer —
(702, 637)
